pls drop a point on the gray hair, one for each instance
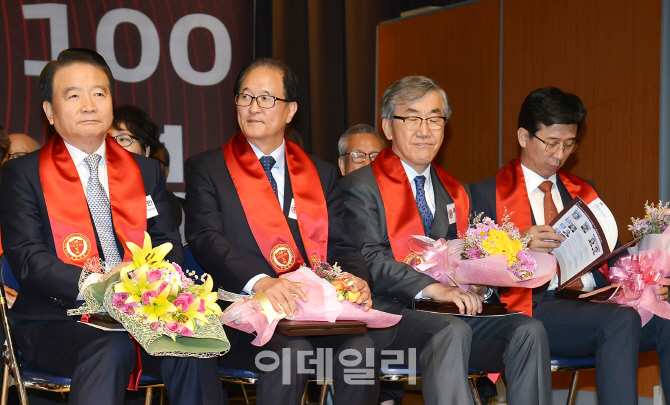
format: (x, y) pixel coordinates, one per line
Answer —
(356, 129)
(409, 89)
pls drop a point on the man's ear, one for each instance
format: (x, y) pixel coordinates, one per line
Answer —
(387, 127)
(524, 136)
(340, 163)
(292, 109)
(48, 111)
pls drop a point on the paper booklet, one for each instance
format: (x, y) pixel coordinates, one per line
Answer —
(590, 237)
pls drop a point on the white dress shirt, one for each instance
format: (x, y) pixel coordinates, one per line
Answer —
(536, 197)
(278, 173)
(78, 157)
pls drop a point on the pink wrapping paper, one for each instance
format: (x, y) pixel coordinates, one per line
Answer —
(321, 305)
(442, 261)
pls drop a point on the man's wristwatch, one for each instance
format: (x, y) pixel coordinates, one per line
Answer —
(488, 294)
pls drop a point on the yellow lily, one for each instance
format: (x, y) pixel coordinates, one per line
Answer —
(204, 292)
(158, 307)
(188, 318)
(154, 257)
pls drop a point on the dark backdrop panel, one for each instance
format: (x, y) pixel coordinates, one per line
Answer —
(205, 112)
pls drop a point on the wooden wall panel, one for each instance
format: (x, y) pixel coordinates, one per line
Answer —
(608, 53)
(458, 47)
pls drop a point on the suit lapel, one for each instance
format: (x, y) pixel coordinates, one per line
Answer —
(440, 227)
(292, 223)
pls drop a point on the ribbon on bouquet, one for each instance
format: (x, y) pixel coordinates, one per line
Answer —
(635, 278)
(432, 258)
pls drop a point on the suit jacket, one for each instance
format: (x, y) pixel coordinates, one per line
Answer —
(394, 284)
(48, 285)
(484, 200)
(219, 235)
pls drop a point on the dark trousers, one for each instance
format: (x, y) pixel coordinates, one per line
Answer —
(356, 376)
(611, 332)
(100, 363)
(446, 345)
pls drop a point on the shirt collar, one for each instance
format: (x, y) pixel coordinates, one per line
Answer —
(79, 155)
(411, 174)
(533, 180)
(278, 154)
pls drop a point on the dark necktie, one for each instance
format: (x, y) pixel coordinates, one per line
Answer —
(98, 203)
(267, 162)
(550, 212)
(422, 204)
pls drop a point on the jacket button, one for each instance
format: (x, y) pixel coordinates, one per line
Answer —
(534, 304)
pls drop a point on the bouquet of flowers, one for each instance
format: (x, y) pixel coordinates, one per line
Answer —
(635, 278)
(329, 298)
(159, 305)
(490, 254)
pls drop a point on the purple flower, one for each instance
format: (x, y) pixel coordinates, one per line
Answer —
(147, 295)
(129, 309)
(119, 300)
(184, 300)
(154, 275)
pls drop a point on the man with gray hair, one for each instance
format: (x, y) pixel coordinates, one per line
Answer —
(403, 193)
(358, 147)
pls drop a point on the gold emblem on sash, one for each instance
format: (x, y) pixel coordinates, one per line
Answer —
(315, 261)
(413, 258)
(76, 246)
(282, 257)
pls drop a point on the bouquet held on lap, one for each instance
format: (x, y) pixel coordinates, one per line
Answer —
(160, 306)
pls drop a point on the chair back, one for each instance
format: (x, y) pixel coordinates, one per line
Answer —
(7, 276)
(190, 263)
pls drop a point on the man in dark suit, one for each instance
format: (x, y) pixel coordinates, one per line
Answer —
(80, 198)
(262, 207)
(403, 193)
(535, 189)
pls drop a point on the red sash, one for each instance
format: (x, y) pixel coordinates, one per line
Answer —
(264, 215)
(512, 194)
(68, 211)
(402, 215)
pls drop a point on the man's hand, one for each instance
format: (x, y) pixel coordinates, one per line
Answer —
(478, 289)
(467, 302)
(545, 239)
(361, 286)
(280, 292)
(113, 271)
(662, 293)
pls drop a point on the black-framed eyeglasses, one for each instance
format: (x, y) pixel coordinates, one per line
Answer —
(264, 101)
(16, 155)
(359, 157)
(568, 146)
(414, 123)
(124, 140)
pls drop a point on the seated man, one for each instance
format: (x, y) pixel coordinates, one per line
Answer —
(403, 193)
(535, 189)
(82, 197)
(262, 207)
(358, 146)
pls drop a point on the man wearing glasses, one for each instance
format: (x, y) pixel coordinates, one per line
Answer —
(403, 193)
(535, 189)
(358, 147)
(262, 207)
(21, 145)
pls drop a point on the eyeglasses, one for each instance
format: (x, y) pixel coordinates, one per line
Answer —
(359, 157)
(265, 101)
(16, 155)
(551, 147)
(414, 123)
(124, 140)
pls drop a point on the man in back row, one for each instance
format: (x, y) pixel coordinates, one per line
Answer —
(535, 189)
(403, 193)
(358, 146)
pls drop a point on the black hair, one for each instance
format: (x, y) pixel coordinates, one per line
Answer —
(69, 57)
(549, 106)
(290, 81)
(139, 124)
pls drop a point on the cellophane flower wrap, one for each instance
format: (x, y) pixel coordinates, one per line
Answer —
(636, 277)
(329, 298)
(489, 254)
(167, 312)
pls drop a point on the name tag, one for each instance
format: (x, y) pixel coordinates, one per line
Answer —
(451, 213)
(292, 213)
(151, 208)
